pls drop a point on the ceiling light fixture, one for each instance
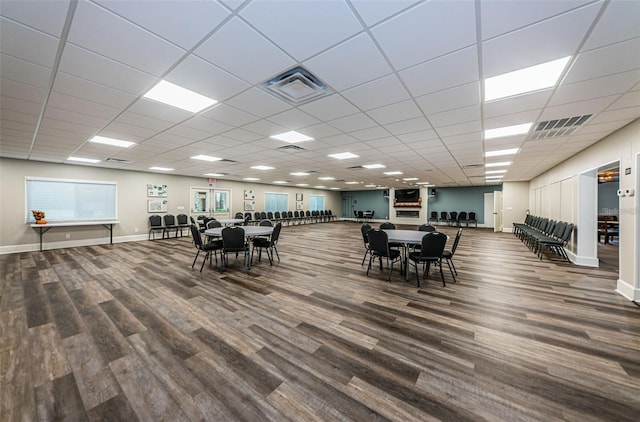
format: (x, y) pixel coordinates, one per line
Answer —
(280, 182)
(501, 132)
(299, 173)
(495, 171)
(206, 158)
(326, 178)
(83, 160)
(262, 167)
(111, 141)
(250, 179)
(176, 96)
(320, 187)
(501, 152)
(370, 186)
(161, 168)
(529, 79)
(351, 183)
(292, 137)
(408, 179)
(392, 173)
(500, 164)
(215, 174)
(302, 184)
(374, 166)
(343, 155)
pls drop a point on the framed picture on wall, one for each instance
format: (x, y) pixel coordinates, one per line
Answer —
(157, 191)
(299, 205)
(298, 197)
(157, 205)
(249, 194)
(249, 205)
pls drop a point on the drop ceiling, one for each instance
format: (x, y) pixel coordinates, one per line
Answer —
(406, 80)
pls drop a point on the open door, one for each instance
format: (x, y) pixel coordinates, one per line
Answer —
(497, 211)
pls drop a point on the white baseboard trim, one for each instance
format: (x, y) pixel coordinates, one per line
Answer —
(507, 230)
(585, 261)
(627, 290)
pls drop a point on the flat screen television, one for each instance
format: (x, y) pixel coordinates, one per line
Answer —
(407, 195)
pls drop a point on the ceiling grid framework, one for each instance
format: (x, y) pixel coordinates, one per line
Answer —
(408, 95)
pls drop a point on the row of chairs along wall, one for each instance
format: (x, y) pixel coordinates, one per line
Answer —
(453, 218)
(541, 234)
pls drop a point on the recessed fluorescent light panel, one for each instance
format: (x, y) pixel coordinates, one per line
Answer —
(392, 173)
(280, 182)
(326, 178)
(250, 179)
(501, 132)
(299, 173)
(495, 171)
(343, 155)
(111, 141)
(292, 137)
(160, 168)
(351, 183)
(500, 164)
(262, 168)
(501, 152)
(374, 166)
(369, 186)
(206, 158)
(302, 184)
(529, 79)
(320, 187)
(334, 188)
(83, 160)
(215, 174)
(408, 179)
(176, 96)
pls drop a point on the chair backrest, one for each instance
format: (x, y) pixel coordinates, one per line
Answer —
(266, 222)
(296, 214)
(433, 244)
(233, 239)
(195, 232)
(453, 215)
(360, 214)
(456, 241)
(308, 213)
(169, 220)
(263, 215)
(193, 221)
(426, 228)
(364, 229)
(270, 215)
(276, 215)
(155, 221)
(388, 225)
(239, 215)
(182, 219)
(213, 223)
(276, 233)
(290, 214)
(568, 232)
(443, 215)
(462, 215)
(256, 216)
(372, 212)
(434, 214)
(378, 241)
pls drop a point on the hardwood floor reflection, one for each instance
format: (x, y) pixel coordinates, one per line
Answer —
(130, 332)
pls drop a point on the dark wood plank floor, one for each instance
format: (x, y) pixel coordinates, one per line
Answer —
(130, 332)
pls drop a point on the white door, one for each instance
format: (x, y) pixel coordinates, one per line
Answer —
(497, 211)
(221, 203)
(210, 202)
(488, 209)
(200, 202)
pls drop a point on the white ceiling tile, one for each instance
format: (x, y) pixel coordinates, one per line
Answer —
(533, 101)
(319, 131)
(395, 112)
(632, 99)
(200, 17)
(378, 93)
(511, 119)
(188, 133)
(160, 111)
(444, 72)
(21, 106)
(239, 49)
(212, 127)
(353, 122)
(604, 61)
(146, 122)
(301, 27)
(499, 17)
(545, 41)
(80, 105)
(93, 67)
(27, 44)
(420, 136)
(229, 115)
(265, 128)
(293, 119)
(451, 117)
(620, 115)
(449, 99)
(376, 132)
(594, 88)
(621, 15)
(577, 108)
(126, 42)
(119, 130)
(258, 102)
(81, 88)
(23, 71)
(408, 126)
(12, 89)
(66, 115)
(45, 16)
(451, 23)
(197, 75)
(373, 12)
(360, 62)
(242, 135)
(461, 128)
(329, 108)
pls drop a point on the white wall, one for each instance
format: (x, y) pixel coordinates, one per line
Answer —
(17, 236)
(515, 203)
(545, 195)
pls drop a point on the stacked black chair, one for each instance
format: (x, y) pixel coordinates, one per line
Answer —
(433, 217)
(453, 217)
(540, 234)
(462, 218)
(182, 222)
(472, 219)
(444, 217)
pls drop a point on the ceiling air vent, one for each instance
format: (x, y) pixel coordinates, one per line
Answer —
(559, 127)
(117, 160)
(290, 148)
(472, 166)
(355, 168)
(224, 160)
(297, 86)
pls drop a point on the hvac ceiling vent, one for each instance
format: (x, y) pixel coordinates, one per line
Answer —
(355, 168)
(472, 166)
(118, 161)
(224, 160)
(559, 127)
(290, 148)
(297, 86)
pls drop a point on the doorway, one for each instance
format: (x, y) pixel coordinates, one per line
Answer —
(608, 206)
(347, 206)
(210, 202)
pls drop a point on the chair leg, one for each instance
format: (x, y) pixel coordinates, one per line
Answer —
(371, 258)
(449, 263)
(415, 264)
(364, 257)
(454, 267)
(441, 273)
(195, 259)
(208, 255)
(277, 254)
